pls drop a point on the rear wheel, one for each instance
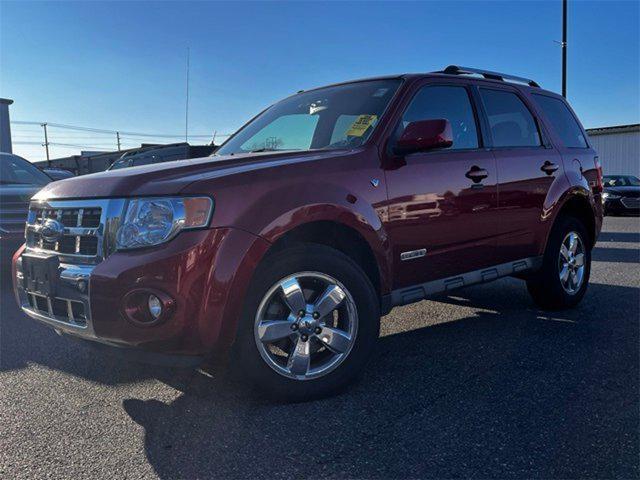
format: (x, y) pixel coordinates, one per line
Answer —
(310, 323)
(563, 279)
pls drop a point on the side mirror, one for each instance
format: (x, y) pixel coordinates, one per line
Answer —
(424, 135)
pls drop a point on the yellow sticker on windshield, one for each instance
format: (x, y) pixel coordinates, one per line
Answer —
(361, 124)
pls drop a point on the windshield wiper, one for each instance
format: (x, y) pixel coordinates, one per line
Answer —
(7, 182)
(258, 150)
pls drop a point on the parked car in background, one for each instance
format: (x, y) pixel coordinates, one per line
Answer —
(58, 173)
(322, 213)
(160, 154)
(621, 195)
(19, 181)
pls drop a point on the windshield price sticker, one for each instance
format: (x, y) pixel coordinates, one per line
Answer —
(361, 124)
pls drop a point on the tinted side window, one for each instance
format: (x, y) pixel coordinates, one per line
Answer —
(562, 121)
(450, 103)
(510, 121)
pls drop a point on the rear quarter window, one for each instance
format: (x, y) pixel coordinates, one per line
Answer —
(562, 121)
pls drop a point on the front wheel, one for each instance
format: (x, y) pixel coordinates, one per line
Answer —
(310, 323)
(563, 279)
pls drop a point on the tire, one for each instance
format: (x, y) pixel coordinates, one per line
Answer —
(274, 368)
(546, 286)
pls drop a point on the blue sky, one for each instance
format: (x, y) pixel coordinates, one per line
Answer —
(121, 65)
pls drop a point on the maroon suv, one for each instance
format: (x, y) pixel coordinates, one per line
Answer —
(322, 213)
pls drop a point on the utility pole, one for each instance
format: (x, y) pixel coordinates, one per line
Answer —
(564, 48)
(186, 110)
(118, 139)
(46, 143)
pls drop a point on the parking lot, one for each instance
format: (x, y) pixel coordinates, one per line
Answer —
(476, 384)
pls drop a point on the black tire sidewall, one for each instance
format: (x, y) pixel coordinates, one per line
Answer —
(546, 287)
(273, 269)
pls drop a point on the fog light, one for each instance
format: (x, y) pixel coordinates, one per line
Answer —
(155, 306)
(148, 307)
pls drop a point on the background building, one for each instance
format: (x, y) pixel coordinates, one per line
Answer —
(618, 148)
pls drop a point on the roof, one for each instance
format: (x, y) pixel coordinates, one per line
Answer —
(448, 72)
(634, 127)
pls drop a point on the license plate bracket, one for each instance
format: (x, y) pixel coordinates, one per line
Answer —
(40, 273)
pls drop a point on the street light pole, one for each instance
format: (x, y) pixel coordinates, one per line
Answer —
(186, 109)
(564, 48)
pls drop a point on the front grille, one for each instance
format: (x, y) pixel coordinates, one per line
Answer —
(631, 202)
(82, 229)
(70, 217)
(60, 309)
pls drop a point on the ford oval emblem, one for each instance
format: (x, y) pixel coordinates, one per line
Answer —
(51, 231)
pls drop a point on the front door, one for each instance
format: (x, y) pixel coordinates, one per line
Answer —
(442, 203)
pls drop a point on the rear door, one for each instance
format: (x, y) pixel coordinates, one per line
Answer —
(527, 165)
(440, 215)
(579, 159)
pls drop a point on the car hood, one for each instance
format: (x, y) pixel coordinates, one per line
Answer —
(170, 178)
(624, 191)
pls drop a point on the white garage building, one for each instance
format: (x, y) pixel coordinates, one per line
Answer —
(618, 148)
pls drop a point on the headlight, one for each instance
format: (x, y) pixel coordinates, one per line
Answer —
(610, 196)
(152, 221)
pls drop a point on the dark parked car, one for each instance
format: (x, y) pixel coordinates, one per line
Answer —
(58, 173)
(321, 214)
(160, 154)
(19, 181)
(621, 195)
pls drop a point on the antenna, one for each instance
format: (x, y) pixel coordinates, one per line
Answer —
(186, 110)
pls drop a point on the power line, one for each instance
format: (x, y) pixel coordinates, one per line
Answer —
(112, 132)
(96, 136)
(68, 145)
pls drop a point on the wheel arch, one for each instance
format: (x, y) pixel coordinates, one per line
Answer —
(340, 236)
(578, 203)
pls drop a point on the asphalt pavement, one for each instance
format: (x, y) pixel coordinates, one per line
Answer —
(476, 384)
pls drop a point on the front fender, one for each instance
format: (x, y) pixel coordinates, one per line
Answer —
(272, 201)
(361, 218)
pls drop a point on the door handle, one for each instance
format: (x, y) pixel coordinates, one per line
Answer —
(476, 174)
(549, 167)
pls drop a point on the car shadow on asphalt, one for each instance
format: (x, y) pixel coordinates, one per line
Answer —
(24, 341)
(508, 391)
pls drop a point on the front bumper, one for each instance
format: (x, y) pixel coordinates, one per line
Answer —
(621, 206)
(206, 272)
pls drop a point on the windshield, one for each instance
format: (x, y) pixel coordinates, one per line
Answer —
(343, 116)
(17, 171)
(621, 181)
(120, 163)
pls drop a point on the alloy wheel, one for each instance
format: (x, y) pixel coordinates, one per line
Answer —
(306, 325)
(571, 263)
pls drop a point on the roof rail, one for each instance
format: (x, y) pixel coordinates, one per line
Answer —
(456, 70)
